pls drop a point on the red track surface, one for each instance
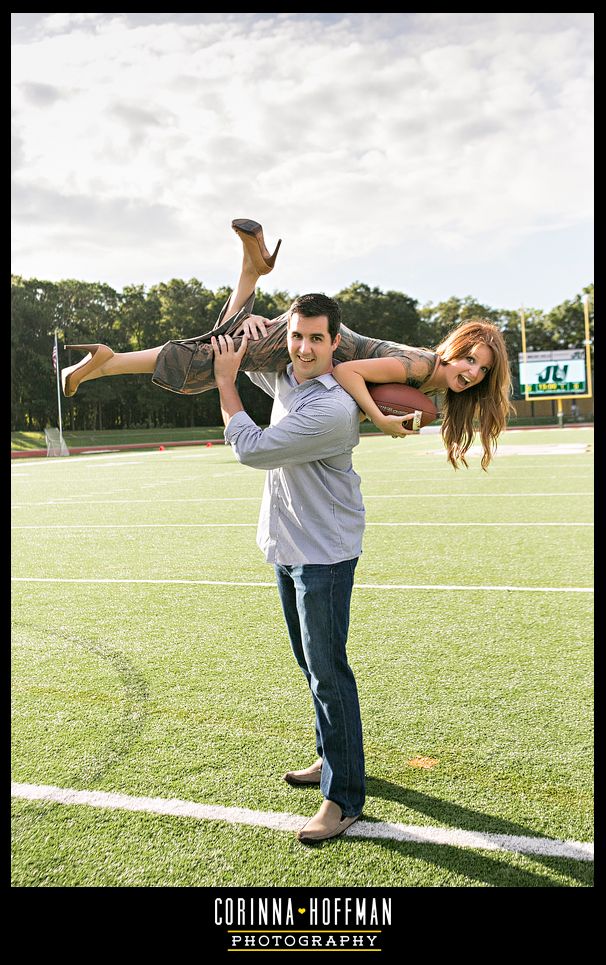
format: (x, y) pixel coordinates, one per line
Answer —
(74, 450)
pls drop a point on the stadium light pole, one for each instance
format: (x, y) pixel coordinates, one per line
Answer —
(585, 300)
(523, 328)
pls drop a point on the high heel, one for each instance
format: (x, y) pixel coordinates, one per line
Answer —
(72, 376)
(251, 234)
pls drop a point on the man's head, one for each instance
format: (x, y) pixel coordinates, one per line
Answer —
(312, 335)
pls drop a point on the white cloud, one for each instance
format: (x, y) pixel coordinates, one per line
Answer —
(351, 135)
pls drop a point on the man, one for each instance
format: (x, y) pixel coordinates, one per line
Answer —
(310, 527)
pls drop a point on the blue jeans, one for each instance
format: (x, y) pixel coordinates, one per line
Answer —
(316, 602)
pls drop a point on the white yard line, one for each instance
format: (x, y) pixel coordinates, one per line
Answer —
(492, 495)
(452, 837)
(186, 524)
(357, 586)
(505, 472)
(65, 501)
(190, 525)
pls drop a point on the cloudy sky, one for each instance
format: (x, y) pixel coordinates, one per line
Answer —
(437, 154)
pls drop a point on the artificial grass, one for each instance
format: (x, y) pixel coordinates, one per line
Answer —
(190, 691)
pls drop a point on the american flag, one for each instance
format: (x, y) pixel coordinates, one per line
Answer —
(55, 358)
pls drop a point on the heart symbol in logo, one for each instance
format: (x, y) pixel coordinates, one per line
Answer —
(301, 911)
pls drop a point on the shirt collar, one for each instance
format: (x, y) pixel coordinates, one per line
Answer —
(328, 380)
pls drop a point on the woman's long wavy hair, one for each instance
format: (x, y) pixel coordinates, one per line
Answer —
(485, 406)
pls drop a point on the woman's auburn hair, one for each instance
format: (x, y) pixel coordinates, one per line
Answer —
(486, 405)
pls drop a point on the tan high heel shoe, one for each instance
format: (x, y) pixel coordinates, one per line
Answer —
(251, 234)
(72, 376)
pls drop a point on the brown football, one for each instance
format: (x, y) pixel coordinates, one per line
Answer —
(396, 398)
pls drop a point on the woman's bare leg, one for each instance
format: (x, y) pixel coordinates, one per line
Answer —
(144, 362)
(126, 363)
(245, 286)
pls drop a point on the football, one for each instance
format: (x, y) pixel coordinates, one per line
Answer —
(396, 398)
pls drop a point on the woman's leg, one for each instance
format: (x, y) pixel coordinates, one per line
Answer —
(100, 360)
(126, 363)
(144, 362)
(246, 284)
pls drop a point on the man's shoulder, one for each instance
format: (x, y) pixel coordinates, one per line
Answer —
(264, 380)
(333, 404)
(338, 398)
(342, 397)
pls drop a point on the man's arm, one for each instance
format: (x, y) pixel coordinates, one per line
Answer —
(310, 435)
(226, 364)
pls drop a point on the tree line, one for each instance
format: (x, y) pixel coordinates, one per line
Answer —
(136, 318)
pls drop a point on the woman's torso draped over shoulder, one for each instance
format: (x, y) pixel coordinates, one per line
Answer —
(418, 363)
(186, 366)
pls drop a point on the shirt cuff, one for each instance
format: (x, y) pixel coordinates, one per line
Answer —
(237, 422)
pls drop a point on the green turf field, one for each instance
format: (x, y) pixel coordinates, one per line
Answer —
(175, 688)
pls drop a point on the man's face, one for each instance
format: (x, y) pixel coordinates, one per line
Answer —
(310, 346)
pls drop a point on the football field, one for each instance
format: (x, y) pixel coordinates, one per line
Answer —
(156, 701)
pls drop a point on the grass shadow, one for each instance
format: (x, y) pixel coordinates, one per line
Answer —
(468, 862)
(493, 872)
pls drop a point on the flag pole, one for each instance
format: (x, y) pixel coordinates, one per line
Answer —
(58, 386)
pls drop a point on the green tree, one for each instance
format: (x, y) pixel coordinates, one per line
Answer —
(137, 319)
(33, 382)
(185, 308)
(88, 312)
(565, 324)
(385, 315)
(444, 316)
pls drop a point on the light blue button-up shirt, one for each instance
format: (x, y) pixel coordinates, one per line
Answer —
(312, 509)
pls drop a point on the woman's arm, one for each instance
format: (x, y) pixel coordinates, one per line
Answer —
(353, 376)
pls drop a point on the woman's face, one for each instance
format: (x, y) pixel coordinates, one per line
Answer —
(462, 373)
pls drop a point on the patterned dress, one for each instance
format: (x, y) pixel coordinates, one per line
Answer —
(186, 366)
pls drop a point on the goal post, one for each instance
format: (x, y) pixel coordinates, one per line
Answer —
(55, 443)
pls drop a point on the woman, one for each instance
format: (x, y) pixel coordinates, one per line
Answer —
(469, 368)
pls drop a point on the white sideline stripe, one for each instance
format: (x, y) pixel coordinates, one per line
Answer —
(220, 525)
(357, 586)
(158, 525)
(453, 837)
(504, 472)
(67, 500)
(494, 495)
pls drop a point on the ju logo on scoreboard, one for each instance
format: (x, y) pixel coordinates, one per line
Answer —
(561, 372)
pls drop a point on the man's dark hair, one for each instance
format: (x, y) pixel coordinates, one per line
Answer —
(310, 306)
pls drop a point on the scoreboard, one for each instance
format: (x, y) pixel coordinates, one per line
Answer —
(557, 373)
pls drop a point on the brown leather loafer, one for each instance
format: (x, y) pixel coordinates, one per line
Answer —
(311, 775)
(327, 823)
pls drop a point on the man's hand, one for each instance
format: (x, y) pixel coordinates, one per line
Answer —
(227, 363)
(254, 326)
(227, 360)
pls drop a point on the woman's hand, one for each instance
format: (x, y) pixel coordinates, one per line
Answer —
(254, 326)
(394, 425)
